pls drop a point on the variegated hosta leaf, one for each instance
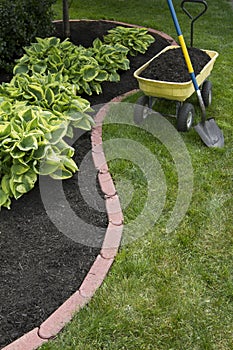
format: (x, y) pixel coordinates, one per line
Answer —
(5, 185)
(3, 198)
(20, 184)
(19, 168)
(27, 143)
(5, 129)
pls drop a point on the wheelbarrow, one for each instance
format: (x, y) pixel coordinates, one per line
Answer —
(175, 91)
(180, 92)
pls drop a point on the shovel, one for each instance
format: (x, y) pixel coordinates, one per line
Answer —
(207, 129)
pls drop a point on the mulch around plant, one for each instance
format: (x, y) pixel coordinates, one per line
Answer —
(40, 266)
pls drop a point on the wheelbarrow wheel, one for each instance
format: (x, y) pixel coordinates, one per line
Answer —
(206, 93)
(141, 109)
(185, 117)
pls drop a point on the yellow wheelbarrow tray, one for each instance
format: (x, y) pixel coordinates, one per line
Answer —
(173, 90)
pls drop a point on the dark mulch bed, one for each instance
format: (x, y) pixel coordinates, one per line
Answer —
(40, 266)
(171, 66)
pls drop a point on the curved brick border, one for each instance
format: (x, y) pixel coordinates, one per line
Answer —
(94, 278)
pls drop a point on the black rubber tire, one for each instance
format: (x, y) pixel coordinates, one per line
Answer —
(206, 93)
(139, 112)
(185, 117)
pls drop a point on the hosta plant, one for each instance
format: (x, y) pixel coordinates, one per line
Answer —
(110, 58)
(31, 144)
(137, 40)
(51, 92)
(77, 64)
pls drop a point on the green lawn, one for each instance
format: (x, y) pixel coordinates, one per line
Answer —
(169, 290)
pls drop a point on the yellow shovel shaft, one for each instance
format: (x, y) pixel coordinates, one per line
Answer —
(185, 53)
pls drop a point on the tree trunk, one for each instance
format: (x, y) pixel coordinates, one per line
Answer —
(66, 23)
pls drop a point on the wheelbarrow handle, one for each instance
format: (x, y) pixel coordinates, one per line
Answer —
(193, 19)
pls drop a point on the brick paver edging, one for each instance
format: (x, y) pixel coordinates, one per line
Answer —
(94, 278)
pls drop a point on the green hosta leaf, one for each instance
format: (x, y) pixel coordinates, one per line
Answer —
(37, 47)
(58, 133)
(58, 77)
(25, 58)
(16, 154)
(75, 115)
(61, 174)
(3, 198)
(66, 45)
(53, 41)
(55, 58)
(124, 64)
(83, 86)
(28, 143)
(39, 68)
(40, 153)
(9, 144)
(70, 164)
(14, 191)
(82, 123)
(23, 184)
(19, 168)
(49, 96)
(32, 125)
(114, 77)
(27, 115)
(70, 132)
(17, 128)
(44, 120)
(5, 184)
(96, 87)
(5, 129)
(6, 107)
(48, 167)
(36, 91)
(21, 189)
(20, 68)
(81, 104)
(102, 76)
(89, 72)
(97, 43)
(64, 149)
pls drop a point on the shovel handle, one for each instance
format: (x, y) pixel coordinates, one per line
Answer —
(187, 58)
(193, 19)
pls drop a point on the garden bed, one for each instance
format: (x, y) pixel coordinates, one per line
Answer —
(40, 267)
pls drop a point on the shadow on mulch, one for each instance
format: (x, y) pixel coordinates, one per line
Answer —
(40, 266)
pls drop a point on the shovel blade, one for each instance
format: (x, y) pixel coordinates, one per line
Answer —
(210, 133)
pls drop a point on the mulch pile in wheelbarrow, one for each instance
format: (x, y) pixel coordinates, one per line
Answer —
(170, 65)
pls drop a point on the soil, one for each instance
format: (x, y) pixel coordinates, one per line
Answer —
(40, 266)
(170, 65)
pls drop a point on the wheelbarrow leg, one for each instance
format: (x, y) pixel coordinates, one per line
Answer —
(143, 108)
(151, 102)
